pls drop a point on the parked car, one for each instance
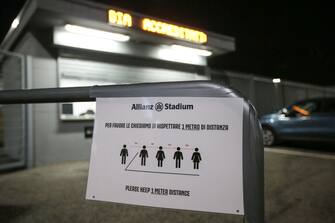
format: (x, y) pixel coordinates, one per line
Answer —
(311, 120)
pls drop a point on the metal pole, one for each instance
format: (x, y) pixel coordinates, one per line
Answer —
(49, 95)
(77, 94)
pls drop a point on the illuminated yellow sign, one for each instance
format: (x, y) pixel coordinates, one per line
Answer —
(174, 31)
(119, 18)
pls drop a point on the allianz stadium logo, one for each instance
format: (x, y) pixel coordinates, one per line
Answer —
(159, 106)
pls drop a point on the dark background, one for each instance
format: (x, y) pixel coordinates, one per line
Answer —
(290, 40)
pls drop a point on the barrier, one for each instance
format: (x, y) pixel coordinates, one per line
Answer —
(252, 146)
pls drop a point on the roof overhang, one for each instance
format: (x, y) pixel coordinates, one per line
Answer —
(40, 14)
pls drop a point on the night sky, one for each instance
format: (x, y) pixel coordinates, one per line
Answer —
(293, 41)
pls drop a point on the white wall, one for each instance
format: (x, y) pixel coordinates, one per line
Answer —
(12, 122)
(53, 140)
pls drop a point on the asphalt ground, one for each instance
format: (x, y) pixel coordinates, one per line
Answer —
(299, 188)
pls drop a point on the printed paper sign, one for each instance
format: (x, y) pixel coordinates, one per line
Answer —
(170, 152)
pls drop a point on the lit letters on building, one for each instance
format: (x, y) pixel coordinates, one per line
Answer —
(179, 32)
(119, 18)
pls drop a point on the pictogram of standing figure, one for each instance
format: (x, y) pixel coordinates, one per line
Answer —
(178, 156)
(196, 157)
(160, 156)
(143, 155)
(123, 154)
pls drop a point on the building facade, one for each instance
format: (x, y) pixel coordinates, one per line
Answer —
(81, 43)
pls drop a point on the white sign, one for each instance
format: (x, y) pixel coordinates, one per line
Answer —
(170, 152)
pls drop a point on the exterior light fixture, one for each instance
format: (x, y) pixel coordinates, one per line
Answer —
(189, 50)
(96, 33)
(276, 80)
(15, 23)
